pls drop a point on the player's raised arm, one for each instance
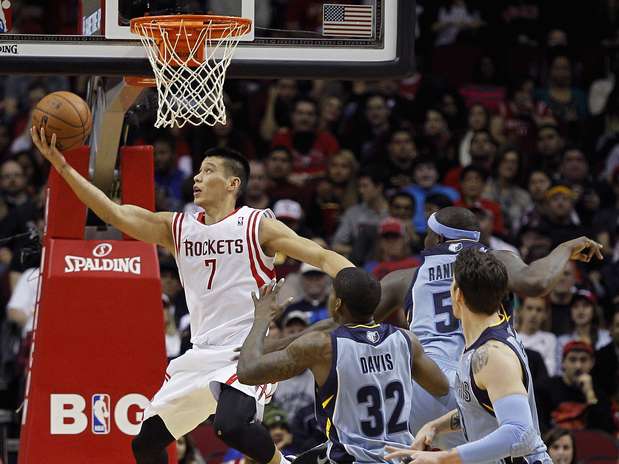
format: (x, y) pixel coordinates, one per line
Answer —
(393, 292)
(276, 236)
(425, 371)
(256, 367)
(137, 222)
(539, 277)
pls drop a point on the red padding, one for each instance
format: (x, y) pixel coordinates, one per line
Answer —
(65, 213)
(137, 177)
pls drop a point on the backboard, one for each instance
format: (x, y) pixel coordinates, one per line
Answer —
(290, 38)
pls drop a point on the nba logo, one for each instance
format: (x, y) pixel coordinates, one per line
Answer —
(100, 413)
(239, 222)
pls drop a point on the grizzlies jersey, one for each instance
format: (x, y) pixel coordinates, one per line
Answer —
(476, 413)
(366, 400)
(428, 302)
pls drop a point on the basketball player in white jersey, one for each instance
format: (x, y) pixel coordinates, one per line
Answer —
(223, 255)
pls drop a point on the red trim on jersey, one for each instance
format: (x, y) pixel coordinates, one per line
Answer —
(269, 272)
(233, 378)
(174, 233)
(202, 217)
(180, 232)
(252, 265)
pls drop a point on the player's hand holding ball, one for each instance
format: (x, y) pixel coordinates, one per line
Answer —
(266, 307)
(49, 151)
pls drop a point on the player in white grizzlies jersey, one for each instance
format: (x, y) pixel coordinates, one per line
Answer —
(424, 295)
(496, 404)
(362, 369)
(222, 255)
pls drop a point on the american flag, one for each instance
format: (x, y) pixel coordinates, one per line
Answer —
(348, 20)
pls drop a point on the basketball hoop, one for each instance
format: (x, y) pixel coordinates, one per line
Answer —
(189, 55)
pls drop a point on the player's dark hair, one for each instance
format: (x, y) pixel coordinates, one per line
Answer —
(482, 278)
(234, 162)
(358, 290)
(458, 218)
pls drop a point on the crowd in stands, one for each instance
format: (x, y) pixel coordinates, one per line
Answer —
(513, 112)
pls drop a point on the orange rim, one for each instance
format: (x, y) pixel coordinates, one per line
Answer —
(217, 25)
(141, 81)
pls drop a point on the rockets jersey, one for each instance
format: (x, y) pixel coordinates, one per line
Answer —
(476, 413)
(366, 400)
(220, 265)
(429, 301)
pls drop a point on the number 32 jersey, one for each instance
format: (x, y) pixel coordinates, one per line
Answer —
(366, 400)
(429, 300)
(220, 265)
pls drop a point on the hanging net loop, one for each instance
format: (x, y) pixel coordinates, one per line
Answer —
(189, 55)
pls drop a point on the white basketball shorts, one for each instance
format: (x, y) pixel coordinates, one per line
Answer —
(192, 385)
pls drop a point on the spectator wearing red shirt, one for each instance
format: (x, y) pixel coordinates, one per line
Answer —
(310, 147)
(472, 184)
(392, 249)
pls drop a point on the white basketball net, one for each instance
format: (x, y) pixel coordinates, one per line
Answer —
(190, 94)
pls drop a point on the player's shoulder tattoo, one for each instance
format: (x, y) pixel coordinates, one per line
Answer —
(480, 359)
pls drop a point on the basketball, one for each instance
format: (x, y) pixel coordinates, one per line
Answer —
(65, 114)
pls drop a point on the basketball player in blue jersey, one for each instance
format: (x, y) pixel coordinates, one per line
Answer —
(362, 369)
(496, 405)
(425, 293)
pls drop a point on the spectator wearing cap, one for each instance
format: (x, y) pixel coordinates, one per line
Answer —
(486, 225)
(315, 287)
(310, 147)
(367, 214)
(585, 322)
(276, 421)
(278, 171)
(472, 185)
(572, 400)
(393, 251)
(290, 213)
(503, 188)
(560, 221)
(425, 177)
(400, 163)
(333, 194)
(294, 322)
(606, 369)
(483, 153)
(532, 314)
(550, 145)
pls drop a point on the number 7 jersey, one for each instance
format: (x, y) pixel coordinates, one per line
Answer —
(220, 265)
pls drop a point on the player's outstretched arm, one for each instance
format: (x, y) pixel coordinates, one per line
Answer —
(256, 367)
(137, 222)
(425, 371)
(393, 292)
(540, 277)
(275, 236)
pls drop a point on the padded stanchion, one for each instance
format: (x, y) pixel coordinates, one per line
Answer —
(68, 216)
(98, 350)
(137, 177)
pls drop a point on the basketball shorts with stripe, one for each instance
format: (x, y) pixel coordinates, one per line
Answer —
(192, 385)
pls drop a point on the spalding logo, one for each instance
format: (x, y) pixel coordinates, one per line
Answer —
(102, 249)
(130, 265)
